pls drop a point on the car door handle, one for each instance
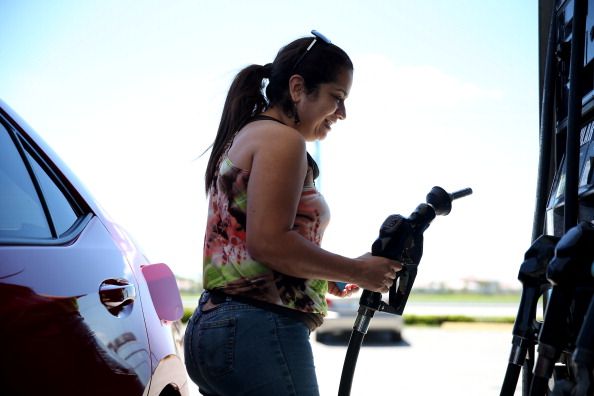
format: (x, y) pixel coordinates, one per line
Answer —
(117, 293)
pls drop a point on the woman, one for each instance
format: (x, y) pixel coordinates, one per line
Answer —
(265, 274)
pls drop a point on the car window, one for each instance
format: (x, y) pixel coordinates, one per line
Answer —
(21, 212)
(60, 209)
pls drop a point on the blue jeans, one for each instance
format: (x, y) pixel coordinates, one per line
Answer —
(238, 349)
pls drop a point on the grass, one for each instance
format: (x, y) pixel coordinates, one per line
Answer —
(424, 297)
(427, 320)
(187, 313)
(452, 297)
(419, 320)
(446, 296)
(438, 320)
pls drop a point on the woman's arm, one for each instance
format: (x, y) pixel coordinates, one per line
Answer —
(277, 173)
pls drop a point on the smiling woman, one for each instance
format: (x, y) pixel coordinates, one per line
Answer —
(265, 274)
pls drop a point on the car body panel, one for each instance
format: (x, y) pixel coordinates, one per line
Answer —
(78, 316)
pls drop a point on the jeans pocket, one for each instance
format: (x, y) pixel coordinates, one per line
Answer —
(216, 346)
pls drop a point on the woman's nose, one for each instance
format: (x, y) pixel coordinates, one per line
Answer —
(341, 111)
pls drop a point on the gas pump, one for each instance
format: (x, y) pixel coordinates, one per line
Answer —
(556, 355)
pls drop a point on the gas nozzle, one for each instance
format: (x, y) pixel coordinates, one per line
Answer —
(400, 238)
(441, 201)
(461, 194)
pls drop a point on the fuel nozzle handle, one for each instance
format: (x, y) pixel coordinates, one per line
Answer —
(397, 233)
(568, 272)
(401, 238)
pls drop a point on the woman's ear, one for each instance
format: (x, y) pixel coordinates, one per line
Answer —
(296, 87)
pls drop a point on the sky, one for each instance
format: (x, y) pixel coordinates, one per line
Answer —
(445, 93)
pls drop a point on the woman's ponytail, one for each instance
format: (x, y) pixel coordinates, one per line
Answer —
(246, 97)
(244, 100)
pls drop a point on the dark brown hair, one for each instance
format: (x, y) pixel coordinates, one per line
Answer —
(249, 94)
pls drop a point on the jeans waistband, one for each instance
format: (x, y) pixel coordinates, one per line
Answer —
(311, 320)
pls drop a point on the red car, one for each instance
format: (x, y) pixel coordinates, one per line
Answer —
(82, 311)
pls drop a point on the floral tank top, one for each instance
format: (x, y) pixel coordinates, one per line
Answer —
(227, 264)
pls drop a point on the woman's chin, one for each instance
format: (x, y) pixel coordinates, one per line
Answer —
(321, 135)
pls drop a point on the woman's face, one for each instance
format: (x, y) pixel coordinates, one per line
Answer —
(319, 110)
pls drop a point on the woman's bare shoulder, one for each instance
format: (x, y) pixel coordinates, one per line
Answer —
(267, 138)
(268, 131)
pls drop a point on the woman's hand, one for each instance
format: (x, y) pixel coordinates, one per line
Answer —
(378, 273)
(349, 289)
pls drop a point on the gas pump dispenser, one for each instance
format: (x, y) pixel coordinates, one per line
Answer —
(556, 354)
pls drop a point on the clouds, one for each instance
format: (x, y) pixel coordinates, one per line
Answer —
(418, 87)
(130, 95)
(411, 127)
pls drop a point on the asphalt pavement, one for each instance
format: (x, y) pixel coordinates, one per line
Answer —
(453, 359)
